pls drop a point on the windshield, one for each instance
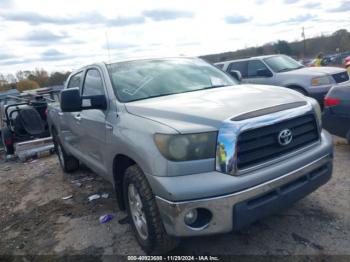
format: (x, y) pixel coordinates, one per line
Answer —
(282, 63)
(142, 79)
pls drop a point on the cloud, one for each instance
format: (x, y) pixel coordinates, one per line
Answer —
(312, 5)
(289, 2)
(34, 18)
(236, 19)
(6, 3)
(124, 21)
(118, 45)
(15, 62)
(165, 14)
(300, 19)
(52, 55)
(42, 37)
(4, 56)
(343, 7)
(260, 2)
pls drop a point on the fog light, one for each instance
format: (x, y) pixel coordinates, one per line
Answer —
(191, 217)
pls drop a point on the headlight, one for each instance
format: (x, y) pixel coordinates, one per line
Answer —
(320, 81)
(187, 147)
(317, 109)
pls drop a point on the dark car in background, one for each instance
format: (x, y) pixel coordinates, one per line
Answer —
(336, 115)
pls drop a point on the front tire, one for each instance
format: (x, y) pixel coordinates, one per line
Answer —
(144, 214)
(68, 163)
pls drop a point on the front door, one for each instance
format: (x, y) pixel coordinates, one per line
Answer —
(93, 124)
(253, 76)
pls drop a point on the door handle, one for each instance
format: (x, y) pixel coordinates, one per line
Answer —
(109, 127)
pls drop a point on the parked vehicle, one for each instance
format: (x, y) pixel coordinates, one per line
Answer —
(23, 117)
(281, 70)
(188, 150)
(336, 114)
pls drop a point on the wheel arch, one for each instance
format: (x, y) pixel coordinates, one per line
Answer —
(120, 163)
(296, 87)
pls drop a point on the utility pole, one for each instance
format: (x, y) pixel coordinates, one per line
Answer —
(304, 42)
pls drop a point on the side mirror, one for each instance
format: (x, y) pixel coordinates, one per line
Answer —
(236, 74)
(264, 72)
(70, 100)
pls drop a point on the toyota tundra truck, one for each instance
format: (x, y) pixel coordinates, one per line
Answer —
(188, 150)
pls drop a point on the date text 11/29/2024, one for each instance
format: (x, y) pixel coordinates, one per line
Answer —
(173, 258)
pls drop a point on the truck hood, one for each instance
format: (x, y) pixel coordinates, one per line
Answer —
(314, 71)
(204, 110)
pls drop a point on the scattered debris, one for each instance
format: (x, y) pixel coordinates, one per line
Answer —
(306, 242)
(105, 218)
(6, 168)
(105, 195)
(77, 184)
(94, 197)
(32, 161)
(84, 179)
(67, 197)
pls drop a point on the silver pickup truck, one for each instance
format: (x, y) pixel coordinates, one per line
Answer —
(188, 150)
(282, 70)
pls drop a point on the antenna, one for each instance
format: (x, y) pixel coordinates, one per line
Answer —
(107, 44)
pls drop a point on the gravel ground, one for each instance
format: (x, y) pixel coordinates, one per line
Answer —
(35, 220)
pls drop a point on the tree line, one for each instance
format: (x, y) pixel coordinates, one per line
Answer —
(26, 80)
(339, 41)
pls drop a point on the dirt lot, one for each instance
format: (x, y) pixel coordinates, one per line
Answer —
(34, 219)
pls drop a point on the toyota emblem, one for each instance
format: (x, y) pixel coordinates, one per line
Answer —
(285, 137)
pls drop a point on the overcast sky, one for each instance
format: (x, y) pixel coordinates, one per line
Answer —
(66, 34)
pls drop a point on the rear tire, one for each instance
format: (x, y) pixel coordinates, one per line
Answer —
(144, 214)
(7, 141)
(68, 163)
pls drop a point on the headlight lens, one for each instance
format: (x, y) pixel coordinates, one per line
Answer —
(323, 80)
(187, 147)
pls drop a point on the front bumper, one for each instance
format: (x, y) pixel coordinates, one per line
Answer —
(236, 210)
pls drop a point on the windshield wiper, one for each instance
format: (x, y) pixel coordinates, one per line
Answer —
(285, 70)
(213, 86)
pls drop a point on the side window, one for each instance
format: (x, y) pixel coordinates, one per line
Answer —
(239, 66)
(75, 80)
(93, 84)
(220, 66)
(254, 66)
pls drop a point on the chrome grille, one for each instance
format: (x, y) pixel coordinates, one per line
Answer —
(261, 144)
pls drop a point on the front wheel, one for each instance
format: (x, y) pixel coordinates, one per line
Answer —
(144, 215)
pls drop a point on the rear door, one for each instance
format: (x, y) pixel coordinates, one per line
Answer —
(93, 123)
